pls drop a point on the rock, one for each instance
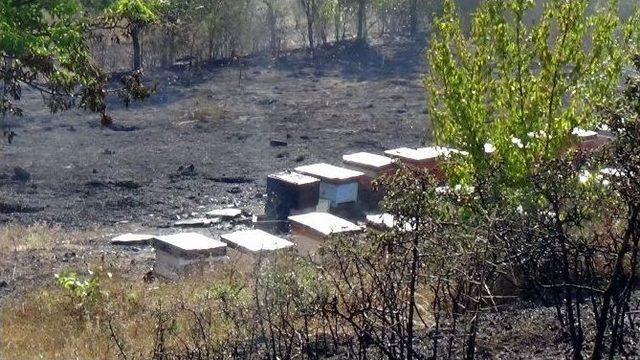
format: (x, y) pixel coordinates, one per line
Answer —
(234, 190)
(20, 174)
(229, 213)
(149, 277)
(283, 154)
(68, 256)
(304, 137)
(196, 222)
(3, 284)
(231, 180)
(275, 142)
(186, 170)
(95, 183)
(267, 101)
(300, 158)
(127, 184)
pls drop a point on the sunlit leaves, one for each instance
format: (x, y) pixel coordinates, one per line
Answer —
(534, 81)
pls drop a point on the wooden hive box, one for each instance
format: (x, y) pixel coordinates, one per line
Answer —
(385, 222)
(414, 157)
(184, 253)
(589, 140)
(373, 166)
(438, 153)
(311, 230)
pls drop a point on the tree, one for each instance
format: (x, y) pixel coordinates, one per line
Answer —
(559, 233)
(136, 15)
(522, 88)
(413, 17)
(310, 9)
(42, 47)
(362, 21)
(334, 10)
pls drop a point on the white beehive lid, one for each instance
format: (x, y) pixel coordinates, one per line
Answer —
(329, 172)
(255, 241)
(189, 243)
(294, 178)
(408, 154)
(368, 160)
(325, 223)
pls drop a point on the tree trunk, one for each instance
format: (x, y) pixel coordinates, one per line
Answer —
(413, 22)
(311, 13)
(336, 21)
(310, 31)
(137, 48)
(309, 7)
(362, 20)
(272, 23)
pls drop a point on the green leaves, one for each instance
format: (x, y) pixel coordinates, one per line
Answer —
(507, 82)
(137, 11)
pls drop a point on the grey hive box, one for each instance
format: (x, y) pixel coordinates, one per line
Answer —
(338, 185)
(310, 230)
(255, 241)
(182, 253)
(133, 239)
(248, 246)
(290, 193)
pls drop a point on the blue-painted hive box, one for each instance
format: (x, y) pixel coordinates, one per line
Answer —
(338, 185)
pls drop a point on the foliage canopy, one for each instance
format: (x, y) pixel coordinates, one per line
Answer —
(523, 88)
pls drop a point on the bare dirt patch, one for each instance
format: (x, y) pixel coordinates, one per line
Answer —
(206, 138)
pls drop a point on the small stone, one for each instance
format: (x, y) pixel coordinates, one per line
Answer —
(21, 174)
(274, 142)
(196, 222)
(68, 256)
(228, 213)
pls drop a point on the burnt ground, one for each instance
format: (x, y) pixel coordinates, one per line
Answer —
(203, 141)
(220, 119)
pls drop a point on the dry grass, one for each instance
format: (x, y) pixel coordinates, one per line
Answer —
(52, 324)
(38, 236)
(202, 110)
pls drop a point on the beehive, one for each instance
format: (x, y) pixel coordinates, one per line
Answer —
(337, 184)
(184, 253)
